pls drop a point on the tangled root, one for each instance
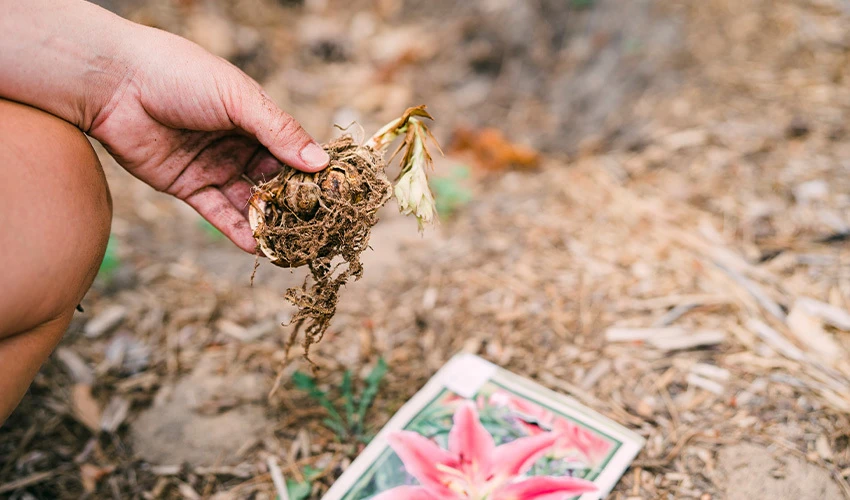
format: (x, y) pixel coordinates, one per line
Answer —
(321, 220)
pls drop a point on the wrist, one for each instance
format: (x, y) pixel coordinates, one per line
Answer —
(113, 72)
(67, 57)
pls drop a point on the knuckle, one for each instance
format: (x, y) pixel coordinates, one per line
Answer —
(288, 131)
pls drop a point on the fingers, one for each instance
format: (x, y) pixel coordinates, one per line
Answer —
(238, 193)
(214, 186)
(214, 206)
(263, 166)
(255, 113)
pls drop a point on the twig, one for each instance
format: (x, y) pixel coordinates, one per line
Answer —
(277, 478)
(671, 408)
(30, 480)
(673, 453)
(755, 290)
(673, 314)
(775, 340)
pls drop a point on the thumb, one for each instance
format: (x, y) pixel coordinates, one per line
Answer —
(276, 130)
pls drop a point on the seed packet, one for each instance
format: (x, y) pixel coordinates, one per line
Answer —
(478, 431)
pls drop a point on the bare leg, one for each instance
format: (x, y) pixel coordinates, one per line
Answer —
(55, 215)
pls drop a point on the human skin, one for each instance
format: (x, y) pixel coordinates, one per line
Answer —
(176, 117)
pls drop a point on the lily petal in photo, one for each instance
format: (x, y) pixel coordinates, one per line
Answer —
(473, 467)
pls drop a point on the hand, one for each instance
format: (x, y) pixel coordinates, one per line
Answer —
(192, 125)
(178, 118)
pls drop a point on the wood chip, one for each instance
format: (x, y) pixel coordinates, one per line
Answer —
(669, 301)
(27, 481)
(822, 447)
(704, 383)
(667, 339)
(840, 403)
(755, 290)
(166, 470)
(616, 334)
(829, 314)
(776, 341)
(85, 408)
(277, 478)
(232, 329)
(598, 371)
(108, 319)
(144, 380)
(114, 414)
(710, 371)
(242, 470)
(700, 338)
(244, 334)
(686, 139)
(673, 314)
(809, 331)
(187, 491)
(78, 369)
(91, 474)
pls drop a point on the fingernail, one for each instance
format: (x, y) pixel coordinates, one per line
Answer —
(314, 155)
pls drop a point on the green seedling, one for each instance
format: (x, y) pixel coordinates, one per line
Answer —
(110, 262)
(347, 422)
(301, 490)
(450, 191)
(211, 231)
(633, 45)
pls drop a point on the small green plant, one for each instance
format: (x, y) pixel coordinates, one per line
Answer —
(632, 45)
(110, 262)
(450, 192)
(349, 421)
(301, 490)
(211, 231)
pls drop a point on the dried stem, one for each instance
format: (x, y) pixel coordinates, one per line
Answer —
(411, 187)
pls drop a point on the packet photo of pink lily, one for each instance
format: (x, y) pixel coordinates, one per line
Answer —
(476, 431)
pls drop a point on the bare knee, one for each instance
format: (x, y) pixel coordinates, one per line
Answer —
(55, 215)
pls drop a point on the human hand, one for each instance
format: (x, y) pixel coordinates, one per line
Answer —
(192, 125)
(175, 116)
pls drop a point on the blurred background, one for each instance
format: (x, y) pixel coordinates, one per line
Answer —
(644, 204)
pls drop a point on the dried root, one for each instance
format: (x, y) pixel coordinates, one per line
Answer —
(323, 220)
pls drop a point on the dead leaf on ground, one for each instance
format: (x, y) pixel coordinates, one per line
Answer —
(491, 150)
(92, 474)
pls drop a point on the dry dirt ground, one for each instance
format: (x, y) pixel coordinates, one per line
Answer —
(676, 261)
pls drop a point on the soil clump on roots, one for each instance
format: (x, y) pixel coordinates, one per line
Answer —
(323, 221)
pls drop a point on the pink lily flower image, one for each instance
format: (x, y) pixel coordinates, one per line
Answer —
(573, 439)
(475, 468)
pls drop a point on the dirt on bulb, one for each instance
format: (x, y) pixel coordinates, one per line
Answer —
(322, 220)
